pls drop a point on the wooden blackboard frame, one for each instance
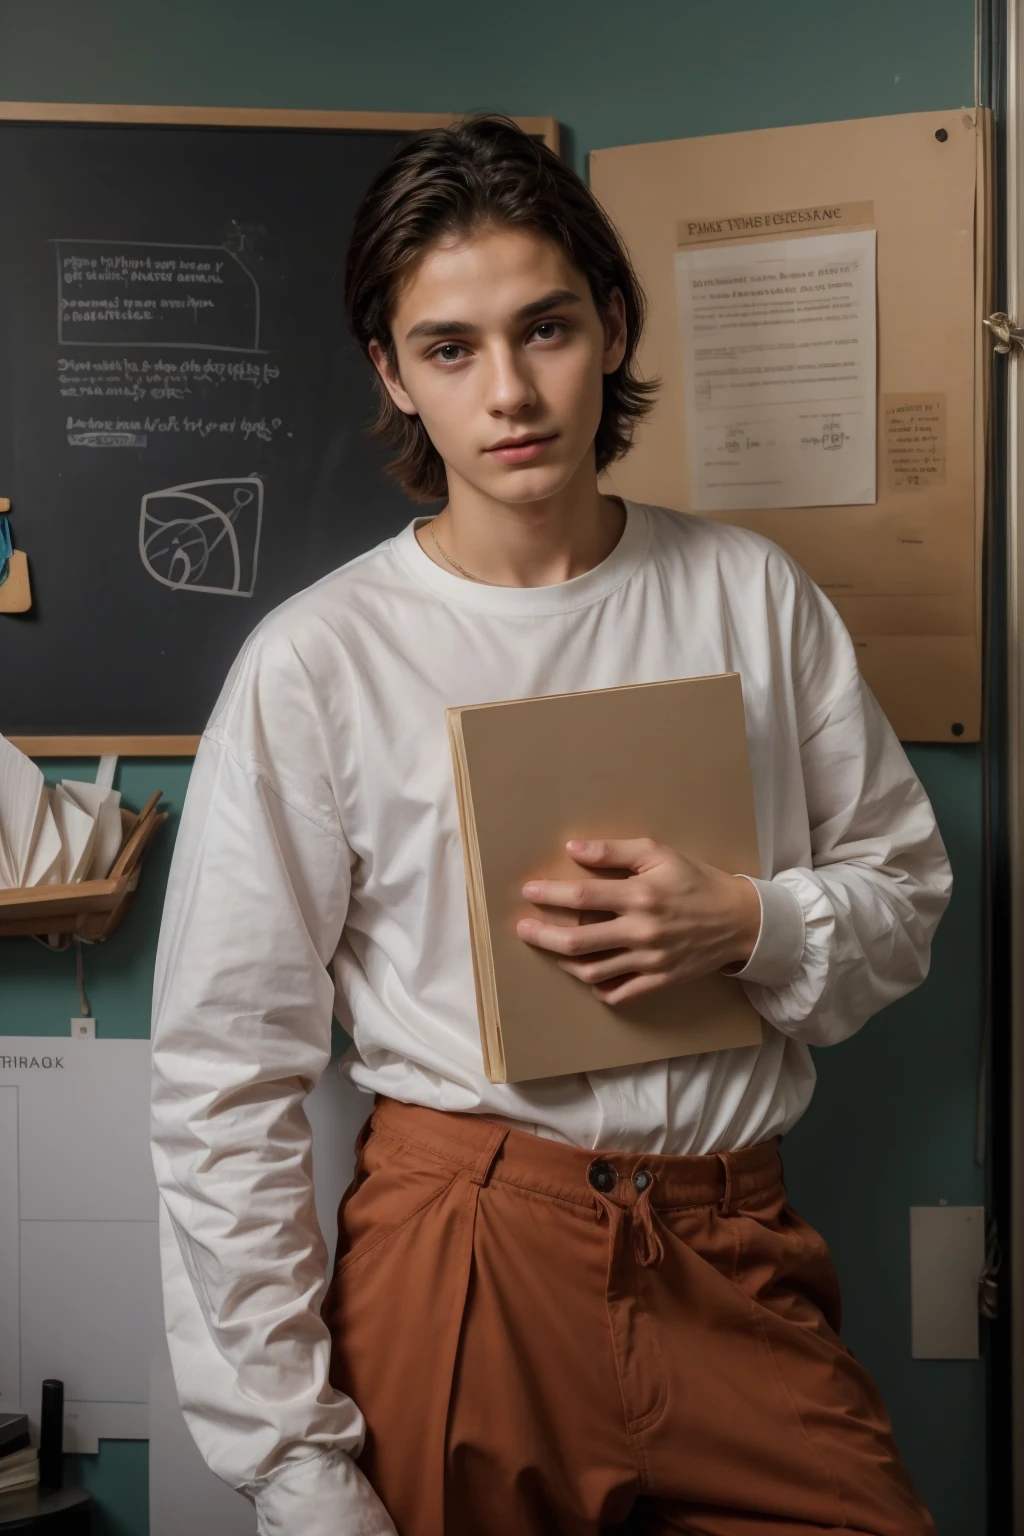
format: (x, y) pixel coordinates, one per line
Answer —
(544, 128)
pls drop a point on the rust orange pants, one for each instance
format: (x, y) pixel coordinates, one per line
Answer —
(547, 1341)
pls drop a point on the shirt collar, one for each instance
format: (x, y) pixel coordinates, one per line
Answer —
(559, 597)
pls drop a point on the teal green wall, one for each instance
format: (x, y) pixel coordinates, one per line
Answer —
(893, 1121)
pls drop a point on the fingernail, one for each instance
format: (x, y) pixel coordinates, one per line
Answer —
(577, 845)
(531, 888)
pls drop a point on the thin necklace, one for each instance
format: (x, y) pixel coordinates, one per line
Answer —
(462, 568)
(458, 567)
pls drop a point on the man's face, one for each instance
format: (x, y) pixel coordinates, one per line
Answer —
(497, 337)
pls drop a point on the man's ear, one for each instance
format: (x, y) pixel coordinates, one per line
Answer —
(614, 320)
(392, 380)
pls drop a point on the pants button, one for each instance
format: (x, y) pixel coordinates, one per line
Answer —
(641, 1179)
(602, 1176)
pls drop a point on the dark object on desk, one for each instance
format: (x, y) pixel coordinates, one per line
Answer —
(57, 1512)
(51, 1435)
(13, 1432)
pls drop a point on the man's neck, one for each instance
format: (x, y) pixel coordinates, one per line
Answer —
(533, 544)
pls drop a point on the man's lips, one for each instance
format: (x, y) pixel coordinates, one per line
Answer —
(521, 448)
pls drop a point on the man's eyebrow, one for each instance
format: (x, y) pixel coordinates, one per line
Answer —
(558, 296)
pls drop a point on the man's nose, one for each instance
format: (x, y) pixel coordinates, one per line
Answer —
(511, 387)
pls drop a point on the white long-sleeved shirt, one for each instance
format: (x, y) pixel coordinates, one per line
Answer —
(318, 868)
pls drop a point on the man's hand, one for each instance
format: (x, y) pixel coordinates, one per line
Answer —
(674, 919)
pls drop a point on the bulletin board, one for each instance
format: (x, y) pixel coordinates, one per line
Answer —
(904, 572)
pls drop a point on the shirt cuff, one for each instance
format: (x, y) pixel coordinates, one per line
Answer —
(780, 941)
(320, 1496)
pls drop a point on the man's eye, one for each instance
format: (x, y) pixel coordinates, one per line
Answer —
(448, 352)
(547, 330)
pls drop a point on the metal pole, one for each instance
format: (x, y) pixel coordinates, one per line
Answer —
(1015, 723)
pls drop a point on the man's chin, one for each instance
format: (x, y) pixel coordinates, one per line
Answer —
(527, 483)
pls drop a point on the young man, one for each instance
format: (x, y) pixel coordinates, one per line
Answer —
(562, 1306)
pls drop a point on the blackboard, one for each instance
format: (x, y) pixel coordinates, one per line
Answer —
(182, 413)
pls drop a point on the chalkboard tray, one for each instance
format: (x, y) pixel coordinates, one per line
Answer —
(183, 417)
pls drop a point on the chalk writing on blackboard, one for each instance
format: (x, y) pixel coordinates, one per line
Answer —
(122, 432)
(159, 378)
(130, 293)
(107, 439)
(204, 536)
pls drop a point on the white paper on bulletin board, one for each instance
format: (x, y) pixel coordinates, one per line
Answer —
(79, 1260)
(777, 339)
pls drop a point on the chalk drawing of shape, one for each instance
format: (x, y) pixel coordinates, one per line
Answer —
(204, 536)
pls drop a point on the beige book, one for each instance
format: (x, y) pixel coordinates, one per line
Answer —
(19, 1469)
(664, 760)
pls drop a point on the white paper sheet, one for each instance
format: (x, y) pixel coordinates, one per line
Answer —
(103, 805)
(23, 810)
(81, 1220)
(77, 830)
(90, 1309)
(55, 836)
(10, 1340)
(46, 858)
(79, 1268)
(779, 370)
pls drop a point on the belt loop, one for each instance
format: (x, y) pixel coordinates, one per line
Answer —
(725, 1203)
(481, 1169)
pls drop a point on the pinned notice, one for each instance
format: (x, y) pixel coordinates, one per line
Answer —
(915, 441)
(779, 372)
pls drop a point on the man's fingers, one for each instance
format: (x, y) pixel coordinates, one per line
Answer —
(613, 992)
(606, 967)
(587, 939)
(633, 853)
(583, 895)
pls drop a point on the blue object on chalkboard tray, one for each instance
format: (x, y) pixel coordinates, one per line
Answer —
(5, 548)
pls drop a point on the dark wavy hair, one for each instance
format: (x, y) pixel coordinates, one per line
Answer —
(452, 181)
